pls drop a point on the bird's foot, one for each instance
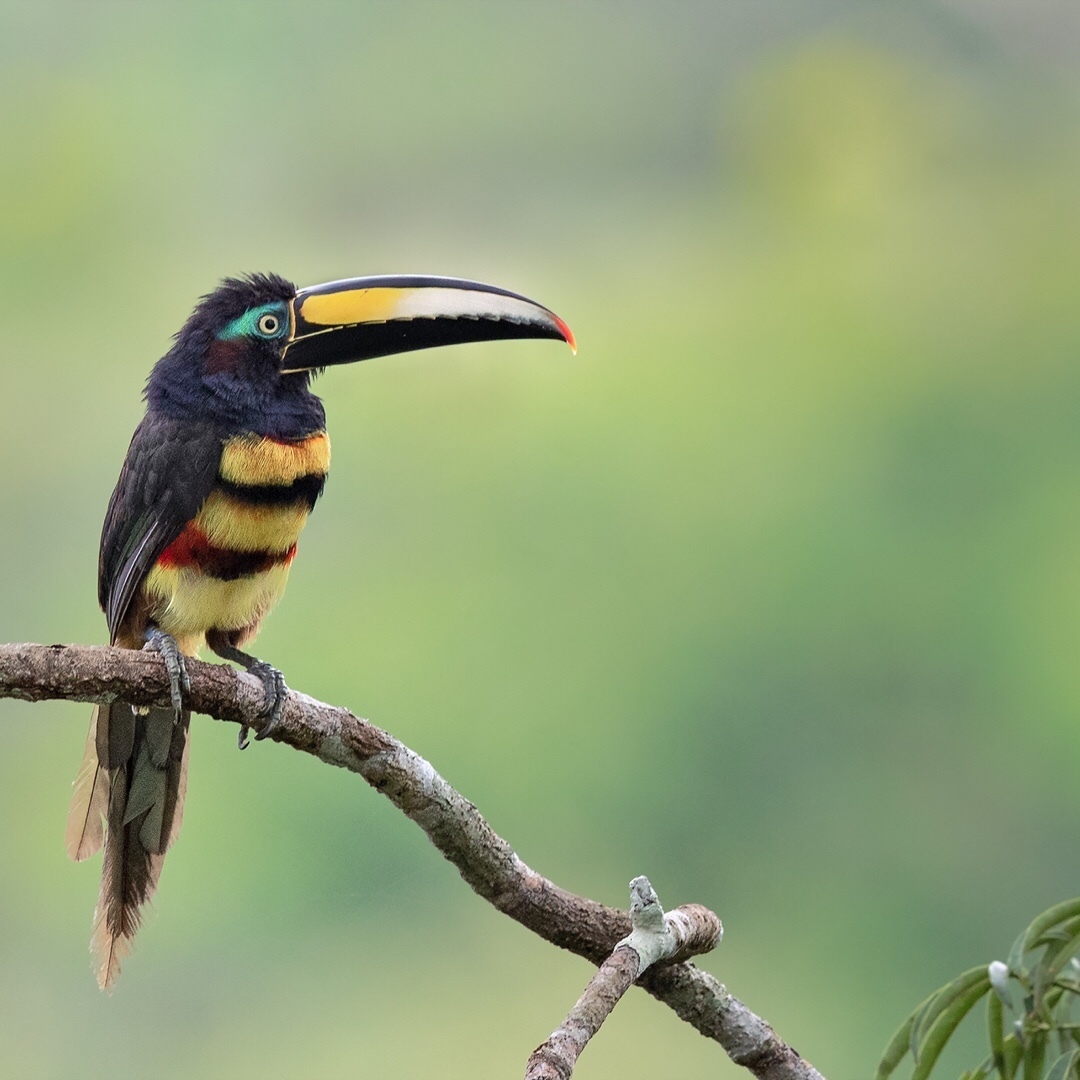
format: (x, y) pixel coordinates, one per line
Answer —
(274, 688)
(275, 691)
(179, 683)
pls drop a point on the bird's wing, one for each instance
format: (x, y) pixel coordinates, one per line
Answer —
(169, 471)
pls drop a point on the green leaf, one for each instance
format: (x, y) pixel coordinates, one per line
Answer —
(909, 1034)
(1059, 913)
(995, 1025)
(948, 994)
(917, 1028)
(900, 1043)
(1035, 1055)
(1062, 932)
(1062, 954)
(1012, 1052)
(1016, 955)
(1064, 1065)
(1043, 975)
(1040, 978)
(963, 993)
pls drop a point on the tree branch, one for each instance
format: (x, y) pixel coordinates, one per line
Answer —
(678, 935)
(486, 861)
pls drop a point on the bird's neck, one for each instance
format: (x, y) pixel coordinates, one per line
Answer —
(282, 409)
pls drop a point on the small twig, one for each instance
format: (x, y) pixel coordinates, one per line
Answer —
(687, 931)
(486, 861)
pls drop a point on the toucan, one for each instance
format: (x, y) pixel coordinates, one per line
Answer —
(202, 527)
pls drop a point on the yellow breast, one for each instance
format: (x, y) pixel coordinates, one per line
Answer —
(232, 523)
(254, 460)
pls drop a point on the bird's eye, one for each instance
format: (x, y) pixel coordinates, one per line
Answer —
(268, 325)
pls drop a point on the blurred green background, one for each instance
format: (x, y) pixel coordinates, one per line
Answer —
(790, 552)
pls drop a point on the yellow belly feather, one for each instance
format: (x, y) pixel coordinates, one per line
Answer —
(188, 603)
(239, 526)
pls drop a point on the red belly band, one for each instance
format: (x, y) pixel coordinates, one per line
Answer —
(192, 549)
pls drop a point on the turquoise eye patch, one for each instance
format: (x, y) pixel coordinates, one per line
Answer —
(254, 323)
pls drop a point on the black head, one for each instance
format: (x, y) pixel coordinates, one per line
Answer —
(225, 365)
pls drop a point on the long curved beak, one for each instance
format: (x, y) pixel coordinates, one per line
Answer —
(361, 318)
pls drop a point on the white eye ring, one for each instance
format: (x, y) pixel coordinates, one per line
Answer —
(268, 324)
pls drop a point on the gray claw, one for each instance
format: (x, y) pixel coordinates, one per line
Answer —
(275, 692)
(179, 683)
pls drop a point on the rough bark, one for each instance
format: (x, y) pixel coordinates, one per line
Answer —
(688, 931)
(453, 824)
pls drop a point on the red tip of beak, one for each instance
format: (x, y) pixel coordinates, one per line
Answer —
(566, 332)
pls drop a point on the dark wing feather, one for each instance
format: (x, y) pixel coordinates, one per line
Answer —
(169, 471)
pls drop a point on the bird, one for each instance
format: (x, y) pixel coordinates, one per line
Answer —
(202, 527)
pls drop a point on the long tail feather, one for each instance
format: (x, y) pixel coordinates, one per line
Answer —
(145, 807)
(89, 799)
(128, 877)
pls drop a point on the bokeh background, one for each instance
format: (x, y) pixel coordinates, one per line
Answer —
(772, 593)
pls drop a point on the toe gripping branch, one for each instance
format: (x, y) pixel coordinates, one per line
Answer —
(274, 689)
(179, 683)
